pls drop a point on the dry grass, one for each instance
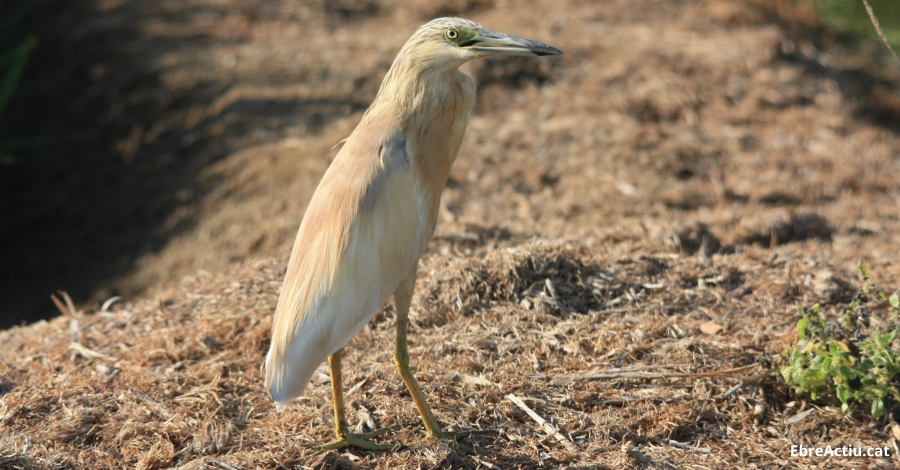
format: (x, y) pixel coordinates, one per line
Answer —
(628, 358)
(696, 169)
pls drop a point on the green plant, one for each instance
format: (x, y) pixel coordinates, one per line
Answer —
(847, 360)
(12, 64)
(14, 58)
(851, 16)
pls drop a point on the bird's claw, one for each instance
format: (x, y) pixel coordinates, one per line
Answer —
(355, 440)
(362, 441)
(347, 439)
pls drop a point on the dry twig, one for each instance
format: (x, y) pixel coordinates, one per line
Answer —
(684, 446)
(487, 464)
(67, 308)
(636, 454)
(641, 374)
(549, 428)
(878, 29)
(88, 353)
(799, 417)
(751, 381)
(224, 465)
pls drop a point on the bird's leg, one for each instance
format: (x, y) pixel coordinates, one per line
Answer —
(402, 300)
(341, 428)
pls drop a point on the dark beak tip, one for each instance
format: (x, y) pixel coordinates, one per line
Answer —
(548, 51)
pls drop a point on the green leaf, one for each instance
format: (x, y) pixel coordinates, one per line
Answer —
(799, 377)
(816, 376)
(845, 373)
(17, 58)
(894, 392)
(786, 373)
(863, 271)
(895, 300)
(865, 365)
(877, 407)
(843, 393)
(801, 326)
(840, 344)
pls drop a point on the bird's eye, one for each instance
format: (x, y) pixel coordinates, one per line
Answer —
(451, 34)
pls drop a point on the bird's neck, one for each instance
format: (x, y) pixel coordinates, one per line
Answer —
(432, 105)
(411, 77)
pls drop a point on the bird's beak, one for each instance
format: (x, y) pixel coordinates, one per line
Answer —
(487, 42)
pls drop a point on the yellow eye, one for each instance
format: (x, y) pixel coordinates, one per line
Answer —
(451, 34)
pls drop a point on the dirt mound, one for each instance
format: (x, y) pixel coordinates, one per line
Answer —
(621, 355)
(192, 136)
(699, 168)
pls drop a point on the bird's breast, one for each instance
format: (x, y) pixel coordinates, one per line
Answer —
(436, 127)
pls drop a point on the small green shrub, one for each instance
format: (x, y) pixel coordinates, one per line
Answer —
(12, 64)
(13, 57)
(847, 360)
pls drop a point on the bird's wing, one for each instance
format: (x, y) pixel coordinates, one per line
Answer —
(359, 238)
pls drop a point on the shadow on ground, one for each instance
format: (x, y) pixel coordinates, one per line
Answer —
(115, 145)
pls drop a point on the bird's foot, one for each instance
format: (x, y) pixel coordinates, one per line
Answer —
(347, 439)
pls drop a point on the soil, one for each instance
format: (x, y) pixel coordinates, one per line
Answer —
(658, 200)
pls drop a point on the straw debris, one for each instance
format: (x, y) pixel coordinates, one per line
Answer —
(692, 170)
(627, 376)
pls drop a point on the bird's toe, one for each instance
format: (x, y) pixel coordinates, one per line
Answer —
(356, 440)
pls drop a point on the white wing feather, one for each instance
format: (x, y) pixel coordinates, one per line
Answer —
(384, 241)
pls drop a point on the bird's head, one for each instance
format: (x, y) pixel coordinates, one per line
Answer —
(455, 40)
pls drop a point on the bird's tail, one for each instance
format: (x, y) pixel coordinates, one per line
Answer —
(288, 373)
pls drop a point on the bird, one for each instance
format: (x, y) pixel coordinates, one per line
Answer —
(373, 214)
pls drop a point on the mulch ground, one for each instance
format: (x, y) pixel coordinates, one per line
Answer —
(623, 241)
(629, 359)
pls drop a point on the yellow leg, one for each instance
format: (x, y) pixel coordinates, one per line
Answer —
(341, 428)
(402, 299)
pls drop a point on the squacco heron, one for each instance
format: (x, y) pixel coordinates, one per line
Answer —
(374, 212)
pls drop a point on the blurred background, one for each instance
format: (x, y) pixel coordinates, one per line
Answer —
(144, 140)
